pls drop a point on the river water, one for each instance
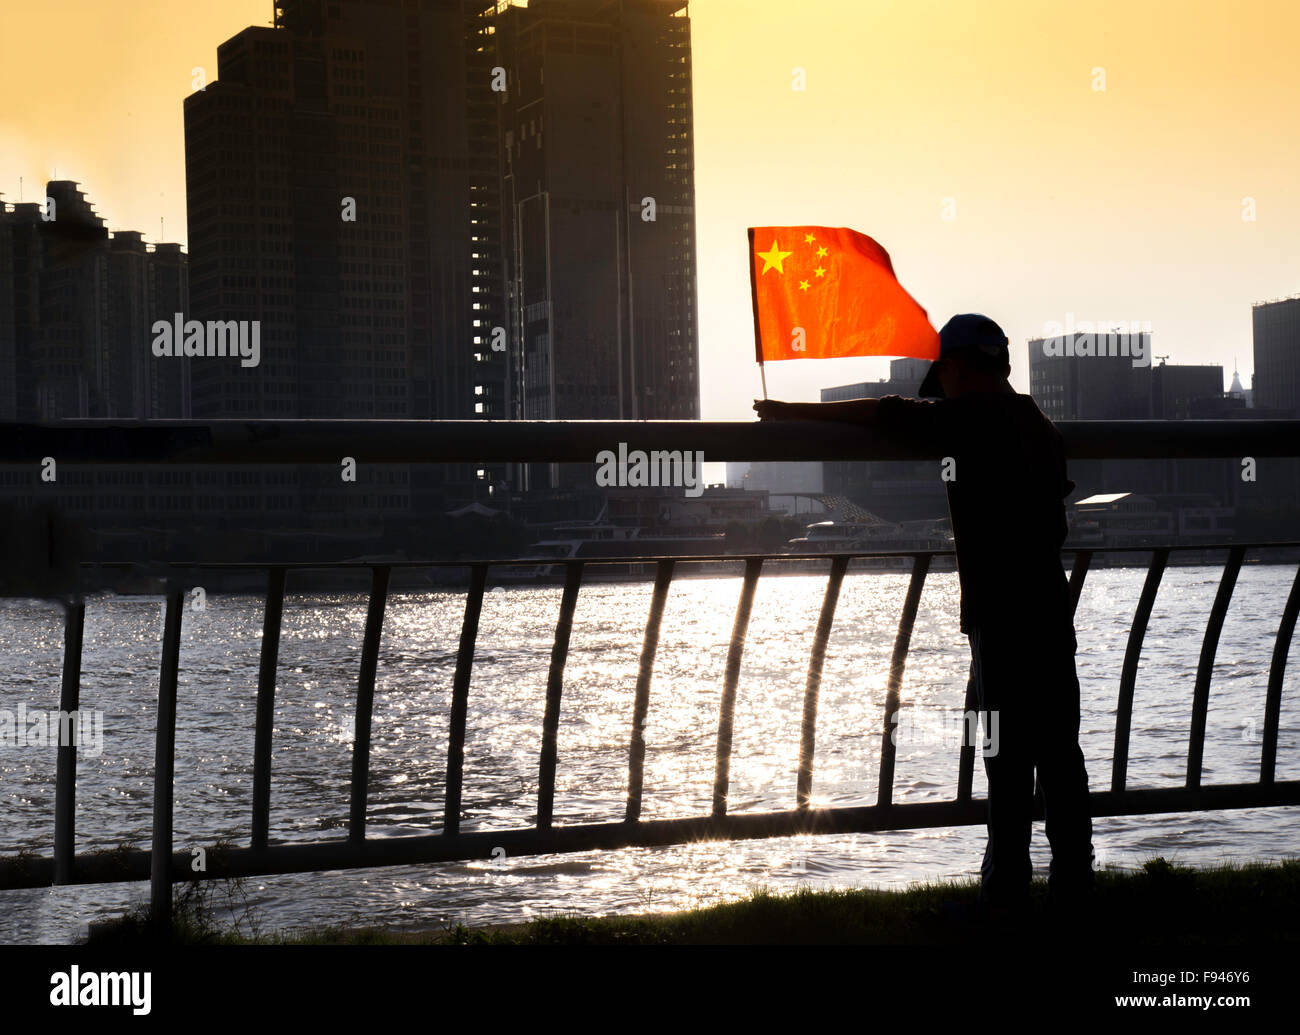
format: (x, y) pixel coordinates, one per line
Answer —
(319, 657)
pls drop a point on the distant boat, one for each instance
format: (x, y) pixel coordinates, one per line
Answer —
(593, 540)
(875, 536)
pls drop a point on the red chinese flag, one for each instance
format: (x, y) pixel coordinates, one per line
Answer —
(822, 292)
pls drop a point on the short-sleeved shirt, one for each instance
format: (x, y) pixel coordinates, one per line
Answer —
(1006, 500)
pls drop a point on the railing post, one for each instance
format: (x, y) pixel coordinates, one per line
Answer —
(554, 689)
(641, 703)
(164, 766)
(460, 698)
(885, 789)
(366, 702)
(1273, 700)
(265, 721)
(65, 780)
(727, 710)
(966, 757)
(1128, 674)
(1209, 646)
(816, 659)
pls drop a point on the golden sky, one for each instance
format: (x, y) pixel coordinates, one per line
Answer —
(1122, 204)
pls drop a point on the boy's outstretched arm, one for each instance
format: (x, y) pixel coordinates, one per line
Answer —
(851, 411)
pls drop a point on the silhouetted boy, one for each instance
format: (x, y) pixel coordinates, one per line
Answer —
(1008, 522)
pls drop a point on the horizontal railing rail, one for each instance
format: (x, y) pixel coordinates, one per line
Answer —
(418, 441)
(163, 864)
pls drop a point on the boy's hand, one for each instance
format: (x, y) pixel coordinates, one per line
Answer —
(772, 409)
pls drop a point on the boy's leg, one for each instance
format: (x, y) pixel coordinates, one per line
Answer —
(1069, 825)
(1008, 764)
(1063, 777)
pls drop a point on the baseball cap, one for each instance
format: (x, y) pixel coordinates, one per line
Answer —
(965, 334)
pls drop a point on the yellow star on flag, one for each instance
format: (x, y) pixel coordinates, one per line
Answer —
(803, 285)
(774, 258)
(808, 238)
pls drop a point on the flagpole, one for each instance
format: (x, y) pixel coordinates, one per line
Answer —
(758, 330)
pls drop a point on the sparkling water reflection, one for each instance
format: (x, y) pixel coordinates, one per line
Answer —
(319, 658)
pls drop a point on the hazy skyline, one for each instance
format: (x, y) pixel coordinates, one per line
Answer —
(1122, 204)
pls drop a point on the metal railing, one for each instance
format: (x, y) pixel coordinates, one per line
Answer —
(163, 864)
(264, 442)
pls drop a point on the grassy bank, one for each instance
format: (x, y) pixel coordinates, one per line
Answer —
(1246, 905)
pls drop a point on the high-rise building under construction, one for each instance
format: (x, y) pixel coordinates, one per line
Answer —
(600, 208)
(449, 209)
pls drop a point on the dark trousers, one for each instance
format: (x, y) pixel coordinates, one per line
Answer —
(1028, 678)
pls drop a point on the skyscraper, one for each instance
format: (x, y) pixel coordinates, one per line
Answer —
(76, 308)
(343, 191)
(598, 167)
(1087, 376)
(448, 209)
(1277, 354)
(1174, 387)
(341, 173)
(599, 213)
